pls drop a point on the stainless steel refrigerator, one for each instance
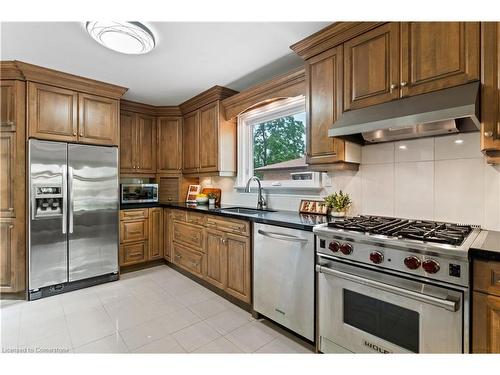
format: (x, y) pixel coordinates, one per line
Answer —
(73, 216)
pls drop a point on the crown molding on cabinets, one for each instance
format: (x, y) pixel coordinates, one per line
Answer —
(23, 71)
(163, 111)
(287, 85)
(206, 97)
(331, 36)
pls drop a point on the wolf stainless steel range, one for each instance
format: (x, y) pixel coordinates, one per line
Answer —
(389, 285)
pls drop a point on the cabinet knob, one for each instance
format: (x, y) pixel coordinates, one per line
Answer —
(81, 134)
(488, 134)
(393, 86)
(74, 133)
(404, 83)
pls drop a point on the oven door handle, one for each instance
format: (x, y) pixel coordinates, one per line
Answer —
(447, 304)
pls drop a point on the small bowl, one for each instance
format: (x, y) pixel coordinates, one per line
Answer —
(202, 200)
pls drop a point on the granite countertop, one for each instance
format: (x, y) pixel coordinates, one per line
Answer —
(486, 245)
(289, 219)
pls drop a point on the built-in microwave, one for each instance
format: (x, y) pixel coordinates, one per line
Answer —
(139, 193)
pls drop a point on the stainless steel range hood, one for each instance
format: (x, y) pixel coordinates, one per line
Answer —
(441, 112)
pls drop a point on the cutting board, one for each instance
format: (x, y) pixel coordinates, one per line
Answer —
(215, 191)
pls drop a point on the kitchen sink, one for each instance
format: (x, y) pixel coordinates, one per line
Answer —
(244, 210)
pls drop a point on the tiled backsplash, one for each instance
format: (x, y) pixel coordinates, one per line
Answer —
(442, 178)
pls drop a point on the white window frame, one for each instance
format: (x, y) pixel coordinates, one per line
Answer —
(245, 145)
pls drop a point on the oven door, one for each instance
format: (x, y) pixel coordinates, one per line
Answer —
(365, 311)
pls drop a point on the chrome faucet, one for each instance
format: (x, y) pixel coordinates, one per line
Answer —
(261, 202)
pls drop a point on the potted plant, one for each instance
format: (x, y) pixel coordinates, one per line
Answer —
(339, 203)
(212, 198)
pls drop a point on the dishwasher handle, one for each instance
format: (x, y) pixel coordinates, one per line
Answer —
(281, 236)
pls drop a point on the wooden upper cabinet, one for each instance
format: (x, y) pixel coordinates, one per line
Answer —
(437, 55)
(490, 90)
(127, 142)
(209, 136)
(190, 143)
(8, 103)
(52, 113)
(324, 75)
(146, 144)
(371, 67)
(98, 120)
(169, 145)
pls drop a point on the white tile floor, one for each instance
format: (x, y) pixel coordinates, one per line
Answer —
(157, 310)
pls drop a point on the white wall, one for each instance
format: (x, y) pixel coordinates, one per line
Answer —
(430, 178)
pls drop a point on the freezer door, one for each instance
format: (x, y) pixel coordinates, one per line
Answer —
(93, 210)
(47, 254)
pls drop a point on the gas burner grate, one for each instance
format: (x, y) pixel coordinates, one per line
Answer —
(421, 230)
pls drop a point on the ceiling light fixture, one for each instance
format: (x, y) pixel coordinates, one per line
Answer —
(128, 37)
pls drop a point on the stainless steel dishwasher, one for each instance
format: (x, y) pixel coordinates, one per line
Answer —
(283, 277)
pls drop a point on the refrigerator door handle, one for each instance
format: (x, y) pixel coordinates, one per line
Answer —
(65, 199)
(70, 188)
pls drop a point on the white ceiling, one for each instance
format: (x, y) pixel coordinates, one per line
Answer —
(188, 59)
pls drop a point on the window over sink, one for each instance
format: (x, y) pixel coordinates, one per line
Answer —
(272, 146)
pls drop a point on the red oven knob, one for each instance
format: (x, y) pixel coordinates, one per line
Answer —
(346, 248)
(412, 262)
(334, 246)
(430, 266)
(376, 257)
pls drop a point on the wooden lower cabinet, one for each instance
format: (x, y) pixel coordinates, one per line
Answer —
(216, 255)
(155, 233)
(486, 307)
(190, 260)
(238, 266)
(224, 252)
(141, 235)
(485, 323)
(133, 253)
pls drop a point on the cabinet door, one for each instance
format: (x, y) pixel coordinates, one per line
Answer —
(190, 142)
(8, 168)
(133, 253)
(371, 67)
(215, 250)
(490, 88)
(52, 112)
(167, 234)
(168, 188)
(485, 323)
(324, 75)
(188, 259)
(127, 142)
(169, 144)
(209, 136)
(146, 144)
(238, 267)
(11, 257)
(98, 120)
(437, 55)
(155, 233)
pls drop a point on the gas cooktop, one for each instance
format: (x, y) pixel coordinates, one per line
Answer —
(419, 230)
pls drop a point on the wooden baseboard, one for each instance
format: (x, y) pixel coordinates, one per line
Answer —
(141, 266)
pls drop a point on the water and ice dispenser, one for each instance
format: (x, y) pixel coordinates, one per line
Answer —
(47, 201)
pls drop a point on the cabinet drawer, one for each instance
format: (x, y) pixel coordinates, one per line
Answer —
(196, 218)
(133, 253)
(179, 215)
(487, 276)
(188, 259)
(138, 213)
(189, 235)
(229, 225)
(132, 231)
